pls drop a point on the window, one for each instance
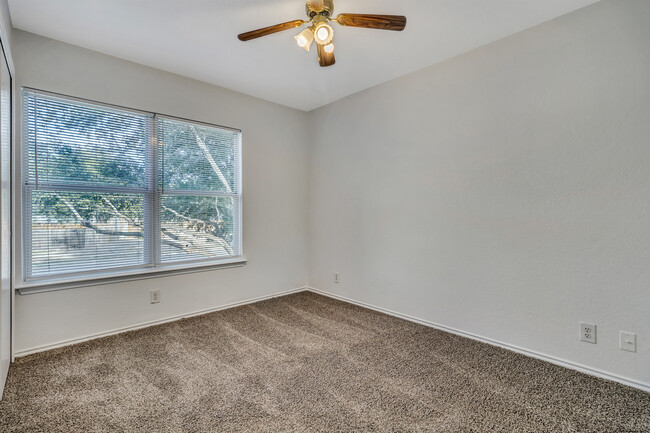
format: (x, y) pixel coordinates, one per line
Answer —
(109, 190)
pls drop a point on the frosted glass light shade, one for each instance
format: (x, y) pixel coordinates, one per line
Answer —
(323, 33)
(305, 38)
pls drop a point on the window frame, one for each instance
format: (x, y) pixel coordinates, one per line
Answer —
(152, 199)
(161, 192)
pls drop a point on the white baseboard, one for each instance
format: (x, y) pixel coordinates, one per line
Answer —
(544, 357)
(72, 341)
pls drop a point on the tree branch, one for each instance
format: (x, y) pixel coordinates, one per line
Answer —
(225, 245)
(210, 159)
(182, 239)
(88, 224)
(192, 240)
(119, 214)
(180, 215)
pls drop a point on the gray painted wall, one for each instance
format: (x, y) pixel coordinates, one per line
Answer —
(504, 193)
(5, 18)
(274, 194)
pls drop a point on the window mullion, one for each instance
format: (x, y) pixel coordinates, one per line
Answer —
(27, 230)
(202, 193)
(152, 208)
(155, 227)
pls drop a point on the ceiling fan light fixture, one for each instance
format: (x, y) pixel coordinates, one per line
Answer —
(305, 38)
(319, 17)
(323, 33)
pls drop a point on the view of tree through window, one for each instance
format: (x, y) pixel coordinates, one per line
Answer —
(197, 159)
(108, 188)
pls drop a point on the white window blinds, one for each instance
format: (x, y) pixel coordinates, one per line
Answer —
(107, 189)
(199, 190)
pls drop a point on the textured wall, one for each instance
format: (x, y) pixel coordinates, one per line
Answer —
(504, 193)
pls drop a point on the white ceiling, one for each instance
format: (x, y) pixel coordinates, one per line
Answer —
(197, 39)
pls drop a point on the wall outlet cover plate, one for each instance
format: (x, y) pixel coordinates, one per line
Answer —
(588, 333)
(627, 341)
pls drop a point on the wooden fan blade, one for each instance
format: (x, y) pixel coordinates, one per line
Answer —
(253, 34)
(381, 22)
(325, 59)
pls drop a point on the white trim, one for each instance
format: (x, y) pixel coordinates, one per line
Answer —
(72, 341)
(533, 354)
(153, 266)
(544, 357)
(15, 207)
(4, 33)
(97, 278)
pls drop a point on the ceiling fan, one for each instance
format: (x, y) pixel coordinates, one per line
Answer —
(320, 14)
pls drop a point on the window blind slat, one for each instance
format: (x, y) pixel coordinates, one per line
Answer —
(197, 157)
(72, 231)
(78, 144)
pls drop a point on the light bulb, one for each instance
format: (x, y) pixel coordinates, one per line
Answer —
(329, 49)
(305, 38)
(323, 33)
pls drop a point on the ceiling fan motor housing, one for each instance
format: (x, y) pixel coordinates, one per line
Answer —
(327, 8)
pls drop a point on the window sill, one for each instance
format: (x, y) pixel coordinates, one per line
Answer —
(96, 279)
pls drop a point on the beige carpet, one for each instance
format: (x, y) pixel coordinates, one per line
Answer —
(306, 363)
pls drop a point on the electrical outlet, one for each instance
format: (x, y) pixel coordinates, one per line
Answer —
(337, 277)
(627, 341)
(154, 296)
(588, 333)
